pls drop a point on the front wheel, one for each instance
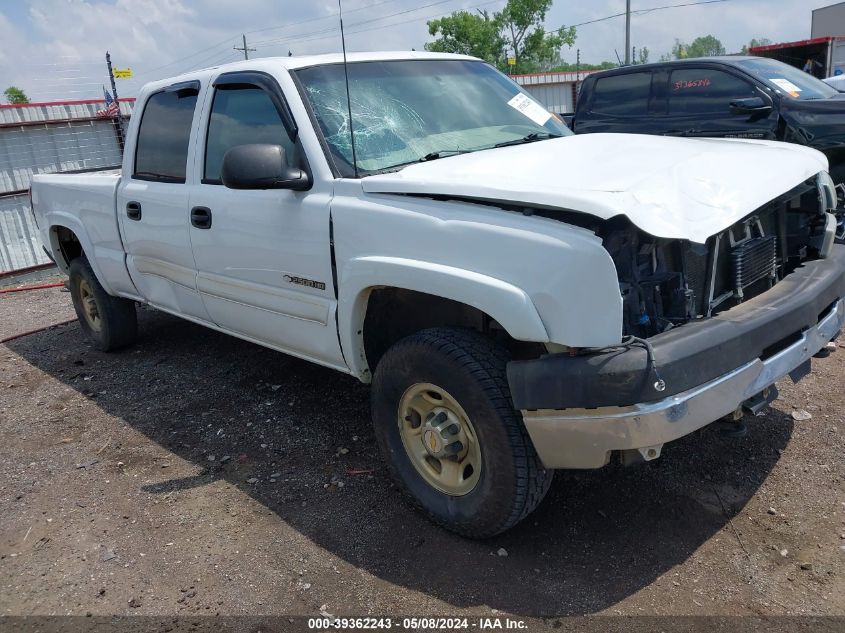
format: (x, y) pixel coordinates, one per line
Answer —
(109, 322)
(444, 420)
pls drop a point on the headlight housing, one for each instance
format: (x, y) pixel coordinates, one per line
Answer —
(827, 191)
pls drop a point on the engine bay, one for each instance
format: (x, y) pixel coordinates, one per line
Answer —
(665, 283)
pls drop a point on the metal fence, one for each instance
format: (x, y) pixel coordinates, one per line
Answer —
(46, 138)
(19, 245)
(557, 91)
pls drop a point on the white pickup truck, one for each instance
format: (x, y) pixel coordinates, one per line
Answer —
(521, 299)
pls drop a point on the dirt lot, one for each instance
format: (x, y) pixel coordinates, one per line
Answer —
(198, 474)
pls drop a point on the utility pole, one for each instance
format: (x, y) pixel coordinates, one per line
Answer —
(627, 32)
(245, 49)
(118, 119)
(577, 61)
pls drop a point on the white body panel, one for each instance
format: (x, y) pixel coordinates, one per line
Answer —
(525, 272)
(158, 246)
(541, 279)
(85, 204)
(258, 239)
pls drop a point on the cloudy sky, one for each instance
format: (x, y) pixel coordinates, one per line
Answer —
(54, 49)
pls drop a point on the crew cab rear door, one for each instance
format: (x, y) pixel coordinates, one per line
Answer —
(695, 100)
(263, 257)
(620, 102)
(152, 202)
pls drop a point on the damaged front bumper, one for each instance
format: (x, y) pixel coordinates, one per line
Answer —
(578, 410)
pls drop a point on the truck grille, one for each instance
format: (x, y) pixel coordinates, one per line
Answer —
(754, 260)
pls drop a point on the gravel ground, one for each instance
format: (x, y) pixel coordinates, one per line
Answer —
(21, 312)
(198, 474)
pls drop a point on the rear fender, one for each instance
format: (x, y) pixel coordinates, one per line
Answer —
(57, 220)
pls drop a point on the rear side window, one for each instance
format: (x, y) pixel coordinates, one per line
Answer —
(161, 153)
(622, 95)
(242, 116)
(705, 91)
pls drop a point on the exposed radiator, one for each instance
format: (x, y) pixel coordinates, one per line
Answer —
(696, 270)
(752, 261)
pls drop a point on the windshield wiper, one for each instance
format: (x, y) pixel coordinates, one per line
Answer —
(443, 153)
(529, 138)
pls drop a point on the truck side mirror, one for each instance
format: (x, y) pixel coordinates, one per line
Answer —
(751, 105)
(261, 166)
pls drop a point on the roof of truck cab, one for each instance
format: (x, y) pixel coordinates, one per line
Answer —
(727, 60)
(305, 61)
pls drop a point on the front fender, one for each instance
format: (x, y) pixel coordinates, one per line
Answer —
(508, 305)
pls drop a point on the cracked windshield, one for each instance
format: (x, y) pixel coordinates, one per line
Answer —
(417, 110)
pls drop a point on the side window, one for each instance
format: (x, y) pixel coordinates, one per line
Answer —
(241, 116)
(162, 149)
(705, 91)
(622, 95)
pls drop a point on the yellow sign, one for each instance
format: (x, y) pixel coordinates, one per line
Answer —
(511, 61)
(122, 73)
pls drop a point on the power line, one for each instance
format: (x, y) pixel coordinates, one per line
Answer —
(644, 11)
(269, 28)
(326, 33)
(321, 17)
(330, 32)
(332, 29)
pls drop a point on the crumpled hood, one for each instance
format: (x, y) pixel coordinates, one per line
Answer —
(668, 187)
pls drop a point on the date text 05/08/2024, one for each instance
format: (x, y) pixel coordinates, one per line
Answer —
(413, 624)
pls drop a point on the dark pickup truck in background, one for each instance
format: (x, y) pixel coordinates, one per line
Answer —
(736, 96)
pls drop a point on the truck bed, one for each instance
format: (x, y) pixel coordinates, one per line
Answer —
(85, 204)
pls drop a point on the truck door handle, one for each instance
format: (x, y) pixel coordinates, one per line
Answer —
(133, 210)
(201, 217)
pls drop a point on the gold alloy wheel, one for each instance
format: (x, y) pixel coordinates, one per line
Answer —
(89, 306)
(439, 439)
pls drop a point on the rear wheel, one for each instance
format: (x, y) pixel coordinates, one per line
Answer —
(109, 322)
(444, 420)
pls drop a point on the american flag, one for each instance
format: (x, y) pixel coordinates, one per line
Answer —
(112, 107)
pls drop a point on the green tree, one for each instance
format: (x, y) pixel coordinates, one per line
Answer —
(642, 56)
(517, 30)
(705, 46)
(15, 95)
(566, 67)
(763, 41)
(476, 34)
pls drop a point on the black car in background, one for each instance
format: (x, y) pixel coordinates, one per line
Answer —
(739, 97)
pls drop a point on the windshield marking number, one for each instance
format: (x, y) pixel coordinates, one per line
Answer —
(694, 83)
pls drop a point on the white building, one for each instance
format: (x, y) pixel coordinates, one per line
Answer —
(828, 21)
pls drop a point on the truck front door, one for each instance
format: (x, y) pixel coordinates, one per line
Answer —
(697, 102)
(263, 256)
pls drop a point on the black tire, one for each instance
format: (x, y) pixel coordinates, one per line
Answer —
(471, 369)
(117, 321)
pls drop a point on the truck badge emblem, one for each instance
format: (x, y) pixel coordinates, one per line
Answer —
(302, 281)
